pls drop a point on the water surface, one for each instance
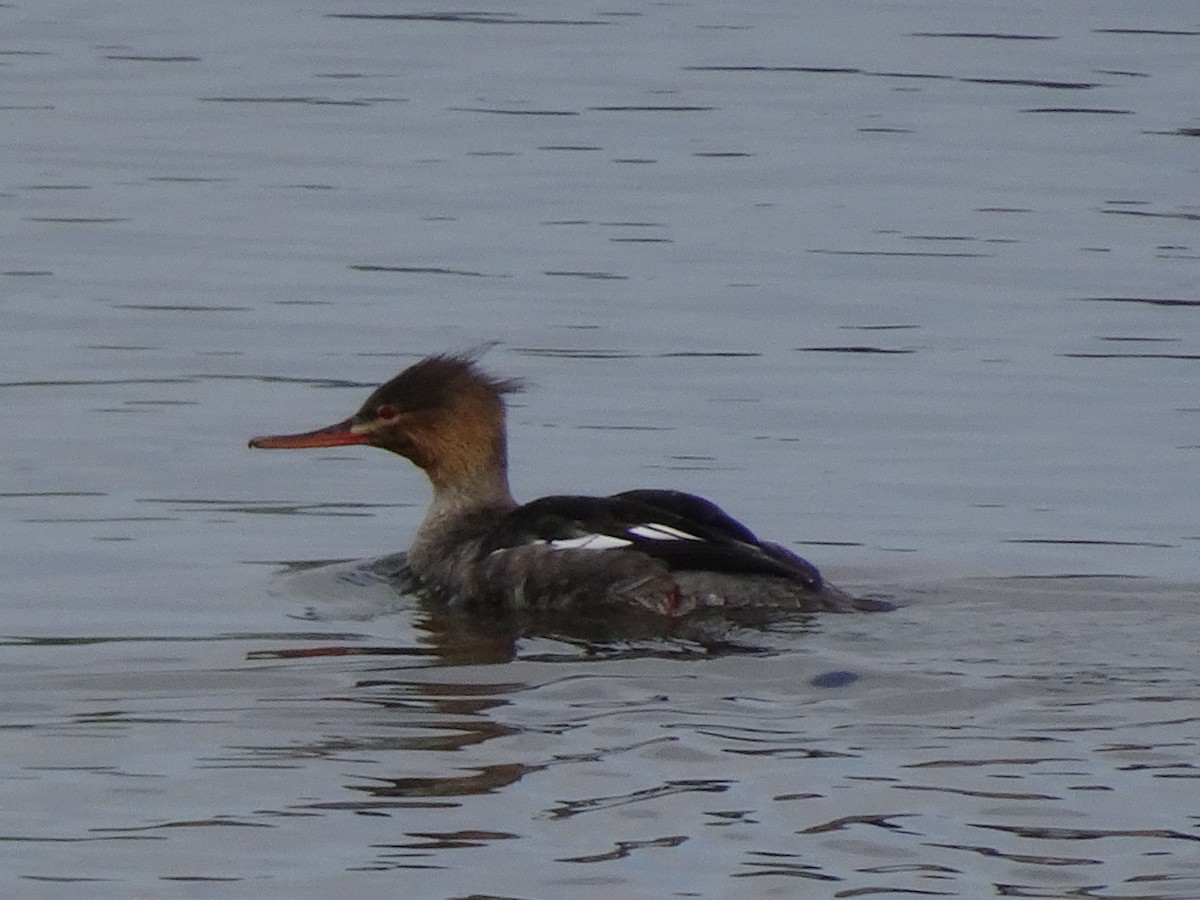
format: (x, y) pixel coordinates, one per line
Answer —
(912, 289)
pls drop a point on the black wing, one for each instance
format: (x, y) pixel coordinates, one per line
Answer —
(682, 530)
(718, 524)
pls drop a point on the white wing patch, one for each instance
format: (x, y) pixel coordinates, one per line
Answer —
(647, 531)
(655, 532)
(589, 542)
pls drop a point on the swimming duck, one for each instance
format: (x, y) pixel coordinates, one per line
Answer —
(665, 551)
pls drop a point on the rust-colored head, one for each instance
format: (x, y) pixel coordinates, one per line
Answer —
(444, 413)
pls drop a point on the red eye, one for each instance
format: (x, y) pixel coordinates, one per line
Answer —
(386, 412)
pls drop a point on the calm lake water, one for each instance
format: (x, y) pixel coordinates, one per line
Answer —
(913, 288)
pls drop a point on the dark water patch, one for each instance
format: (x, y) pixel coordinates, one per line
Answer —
(1079, 109)
(997, 761)
(1034, 82)
(1183, 356)
(774, 864)
(877, 327)
(722, 154)
(218, 821)
(97, 382)
(452, 840)
(162, 402)
(569, 808)
(302, 302)
(1088, 542)
(1151, 301)
(924, 75)
(28, 273)
(692, 467)
(286, 100)
(16, 640)
(27, 107)
(496, 111)
(635, 160)
(54, 187)
(491, 153)
(1086, 834)
(632, 224)
(570, 147)
(593, 276)
(1182, 132)
(937, 237)
(633, 240)
(900, 253)
(989, 795)
(76, 220)
(464, 18)
(834, 679)
(22, 494)
(280, 379)
(483, 780)
(624, 428)
(571, 353)
(339, 650)
(1171, 253)
(813, 70)
(709, 354)
(1003, 209)
(178, 307)
(624, 849)
(845, 822)
(881, 130)
(1070, 576)
(188, 179)
(1187, 217)
(1024, 858)
(328, 510)
(271, 507)
(421, 270)
(91, 520)
(1158, 31)
(854, 348)
(157, 59)
(124, 348)
(985, 35)
(294, 566)
(651, 108)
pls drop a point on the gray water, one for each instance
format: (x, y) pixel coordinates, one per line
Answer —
(911, 288)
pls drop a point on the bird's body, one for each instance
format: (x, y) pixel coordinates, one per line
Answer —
(664, 551)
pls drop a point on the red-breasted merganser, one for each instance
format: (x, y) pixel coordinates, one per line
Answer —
(667, 551)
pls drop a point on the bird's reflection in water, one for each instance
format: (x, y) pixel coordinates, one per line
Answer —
(451, 636)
